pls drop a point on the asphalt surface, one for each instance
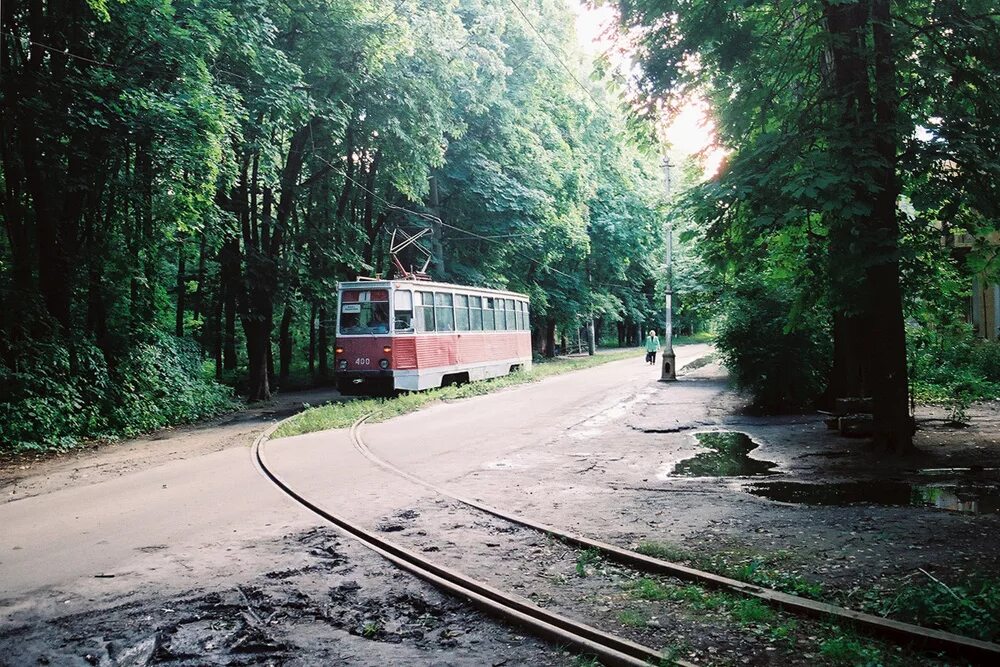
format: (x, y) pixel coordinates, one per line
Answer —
(172, 525)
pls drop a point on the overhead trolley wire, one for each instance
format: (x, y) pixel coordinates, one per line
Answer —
(554, 54)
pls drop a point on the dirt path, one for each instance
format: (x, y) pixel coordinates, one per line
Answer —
(30, 475)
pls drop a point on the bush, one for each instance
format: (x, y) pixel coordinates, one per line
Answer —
(784, 364)
(950, 365)
(58, 396)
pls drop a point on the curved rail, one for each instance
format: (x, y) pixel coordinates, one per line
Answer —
(608, 648)
(921, 636)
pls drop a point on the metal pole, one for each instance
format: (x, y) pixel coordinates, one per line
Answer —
(668, 371)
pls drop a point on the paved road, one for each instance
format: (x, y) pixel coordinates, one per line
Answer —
(168, 526)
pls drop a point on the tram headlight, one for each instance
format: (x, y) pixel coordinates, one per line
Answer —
(339, 350)
(383, 364)
(342, 364)
(387, 349)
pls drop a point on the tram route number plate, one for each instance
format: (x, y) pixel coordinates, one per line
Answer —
(363, 361)
(351, 308)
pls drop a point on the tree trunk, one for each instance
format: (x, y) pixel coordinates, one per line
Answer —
(550, 338)
(871, 139)
(216, 333)
(285, 344)
(312, 338)
(323, 368)
(199, 295)
(181, 288)
(229, 272)
(890, 389)
(258, 345)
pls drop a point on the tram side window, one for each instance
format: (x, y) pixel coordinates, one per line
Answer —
(527, 317)
(488, 322)
(519, 314)
(444, 313)
(462, 312)
(403, 311)
(511, 321)
(476, 313)
(425, 311)
(498, 315)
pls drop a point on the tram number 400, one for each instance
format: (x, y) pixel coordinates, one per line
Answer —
(363, 361)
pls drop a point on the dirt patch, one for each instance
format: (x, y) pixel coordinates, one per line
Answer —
(340, 604)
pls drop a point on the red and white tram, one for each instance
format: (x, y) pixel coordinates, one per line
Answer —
(413, 334)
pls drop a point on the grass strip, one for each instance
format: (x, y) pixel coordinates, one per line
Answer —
(343, 414)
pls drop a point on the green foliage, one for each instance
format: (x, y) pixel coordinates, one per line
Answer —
(950, 365)
(633, 618)
(782, 363)
(663, 551)
(814, 138)
(850, 651)
(70, 395)
(585, 558)
(971, 609)
(750, 611)
(649, 589)
(212, 168)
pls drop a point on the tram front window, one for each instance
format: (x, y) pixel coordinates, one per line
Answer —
(371, 317)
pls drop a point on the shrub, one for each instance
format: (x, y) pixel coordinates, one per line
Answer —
(949, 365)
(57, 395)
(783, 362)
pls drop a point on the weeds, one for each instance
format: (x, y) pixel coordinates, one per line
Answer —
(649, 589)
(673, 652)
(588, 557)
(971, 609)
(752, 569)
(849, 650)
(663, 551)
(751, 610)
(633, 618)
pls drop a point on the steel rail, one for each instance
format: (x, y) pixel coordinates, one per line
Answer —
(929, 638)
(608, 648)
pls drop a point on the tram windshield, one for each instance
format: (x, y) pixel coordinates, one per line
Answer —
(368, 317)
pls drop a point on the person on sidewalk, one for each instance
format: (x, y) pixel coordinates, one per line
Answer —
(652, 347)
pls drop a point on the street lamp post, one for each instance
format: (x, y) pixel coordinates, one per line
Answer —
(668, 370)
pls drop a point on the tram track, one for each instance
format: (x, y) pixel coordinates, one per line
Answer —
(927, 638)
(609, 649)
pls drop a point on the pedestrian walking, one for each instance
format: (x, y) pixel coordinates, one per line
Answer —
(652, 347)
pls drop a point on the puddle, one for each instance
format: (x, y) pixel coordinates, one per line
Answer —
(969, 498)
(728, 457)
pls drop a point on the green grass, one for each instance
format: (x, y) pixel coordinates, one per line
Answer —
(703, 337)
(970, 608)
(649, 589)
(588, 557)
(750, 611)
(759, 569)
(663, 551)
(633, 618)
(850, 650)
(343, 414)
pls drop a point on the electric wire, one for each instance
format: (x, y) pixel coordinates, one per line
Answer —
(554, 54)
(62, 52)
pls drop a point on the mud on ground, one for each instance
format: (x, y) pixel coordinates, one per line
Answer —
(329, 601)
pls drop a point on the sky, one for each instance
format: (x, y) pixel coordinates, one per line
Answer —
(688, 132)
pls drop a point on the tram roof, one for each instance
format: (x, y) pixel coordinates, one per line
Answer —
(426, 285)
